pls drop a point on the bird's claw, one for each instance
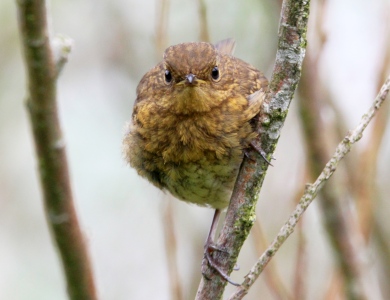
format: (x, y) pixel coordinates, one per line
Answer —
(261, 152)
(209, 249)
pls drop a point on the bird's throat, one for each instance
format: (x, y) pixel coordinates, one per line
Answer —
(192, 99)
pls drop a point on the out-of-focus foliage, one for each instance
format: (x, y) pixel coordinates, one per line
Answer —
(121, 214)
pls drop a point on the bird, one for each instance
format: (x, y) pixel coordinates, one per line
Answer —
(192, 122)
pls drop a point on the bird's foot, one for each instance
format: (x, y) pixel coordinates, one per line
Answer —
(261, 152)
(209, 260)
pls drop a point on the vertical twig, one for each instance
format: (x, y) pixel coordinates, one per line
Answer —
(365, 187)
(50, 149)
(271, 275)
(171, 250)
(162, 13)
(300, 265)
(369, 187)
(204, 29)
(301, 260)
(241, 212)
(168, 221)
(383, 245)
(334, 287)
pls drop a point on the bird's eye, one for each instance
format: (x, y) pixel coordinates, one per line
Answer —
(215, 73)
(168, 76)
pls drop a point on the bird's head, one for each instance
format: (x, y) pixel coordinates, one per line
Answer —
(192, 71)
(191, 64)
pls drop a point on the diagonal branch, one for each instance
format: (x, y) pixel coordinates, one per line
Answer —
(311, 191)
(241, 212)
(50, 148)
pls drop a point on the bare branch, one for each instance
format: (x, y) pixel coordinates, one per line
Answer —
(50, 149)
(241, 212)
(311, 191)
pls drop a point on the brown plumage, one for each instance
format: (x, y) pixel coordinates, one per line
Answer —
(192, 121)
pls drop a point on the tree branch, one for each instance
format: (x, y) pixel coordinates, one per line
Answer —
(311, 191)
(50, 149)
(241, 212)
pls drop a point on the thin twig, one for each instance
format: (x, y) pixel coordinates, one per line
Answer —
(377, 229)
(204, 29)
(333, 290)
(382, 244)
(168, 217)
(271, 275)
(311, 191)
(241, 212)
(300, 265)
(171, 250)
(50, 149)
(162, 25)
(301, 260)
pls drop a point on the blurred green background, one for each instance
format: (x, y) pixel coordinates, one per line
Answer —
(122, 215)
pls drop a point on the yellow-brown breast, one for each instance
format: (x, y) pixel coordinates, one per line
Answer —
(191, 122)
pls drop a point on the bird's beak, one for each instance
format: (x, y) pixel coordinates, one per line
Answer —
(190, 78)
